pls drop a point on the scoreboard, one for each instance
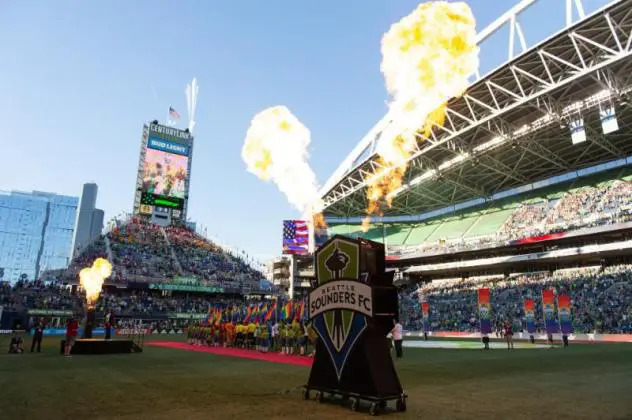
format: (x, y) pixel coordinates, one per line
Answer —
(154, 200)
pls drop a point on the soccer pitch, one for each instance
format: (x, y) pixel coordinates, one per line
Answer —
(583, 381)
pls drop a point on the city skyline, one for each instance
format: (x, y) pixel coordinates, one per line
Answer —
(84, 113)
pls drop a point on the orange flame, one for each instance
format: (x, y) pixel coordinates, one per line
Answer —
(319, 221)
(427, 58)
(92, 278)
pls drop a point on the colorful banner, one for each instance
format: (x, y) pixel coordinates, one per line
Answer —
(425, 313)
(529, 315)
(548, 310)
(62, 331)
(181, 315)
(485, 311)
(49, 312)
(133, 331)
(564, 314)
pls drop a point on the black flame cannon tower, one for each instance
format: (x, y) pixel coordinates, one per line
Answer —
(352, 309)
(92, 279)
(90, 320)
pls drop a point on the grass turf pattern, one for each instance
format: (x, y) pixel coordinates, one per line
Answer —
(583, 381)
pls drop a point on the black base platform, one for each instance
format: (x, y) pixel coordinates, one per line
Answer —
(377, 403)
(101, 346)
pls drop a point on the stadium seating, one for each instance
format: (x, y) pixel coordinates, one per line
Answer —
(200, 258)
(146, 253)
(603, 198)
(601, 300)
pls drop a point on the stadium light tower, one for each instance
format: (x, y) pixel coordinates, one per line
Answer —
(192, 94)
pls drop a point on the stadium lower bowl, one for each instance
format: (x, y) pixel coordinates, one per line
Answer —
(468, 345)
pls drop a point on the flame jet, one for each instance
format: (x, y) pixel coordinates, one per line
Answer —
(92, 278)
(427, 58)
(275, 149)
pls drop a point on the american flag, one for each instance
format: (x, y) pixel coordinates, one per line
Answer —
(295, 237)
(173, 113)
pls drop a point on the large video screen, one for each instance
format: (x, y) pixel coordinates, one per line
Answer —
(166, 166)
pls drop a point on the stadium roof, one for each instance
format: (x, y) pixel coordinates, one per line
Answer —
(512, 127)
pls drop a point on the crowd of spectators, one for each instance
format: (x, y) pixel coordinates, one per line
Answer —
(147, 253)
(601, 300)
(36, 294)
(205, 260)
(141, 250)
(55, 301)
(148, 304)
(588, 207)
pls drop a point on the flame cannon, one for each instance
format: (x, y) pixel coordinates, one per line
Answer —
(352, 309)
(91, 280)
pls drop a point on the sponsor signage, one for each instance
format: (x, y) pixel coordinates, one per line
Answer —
(133, 331)
(185, 280)
(49, 312)
(187, 288)
(167, 146)
(178, 315)
(169, 133)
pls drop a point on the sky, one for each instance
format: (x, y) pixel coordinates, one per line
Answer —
(78, 79)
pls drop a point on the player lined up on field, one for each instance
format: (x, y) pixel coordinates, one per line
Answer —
(284, 337)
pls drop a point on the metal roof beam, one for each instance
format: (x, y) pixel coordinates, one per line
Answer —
(529, 85)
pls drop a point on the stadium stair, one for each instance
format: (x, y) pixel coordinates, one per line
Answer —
(108, 248)
(176, 261)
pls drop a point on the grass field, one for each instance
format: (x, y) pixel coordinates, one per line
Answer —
(583, 381)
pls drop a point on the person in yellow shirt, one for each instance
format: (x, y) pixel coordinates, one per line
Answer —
(289, 341)
(258, 338)
(297, 333)
(283, 337)
(265, 334)
(252, 327)
(239, 342)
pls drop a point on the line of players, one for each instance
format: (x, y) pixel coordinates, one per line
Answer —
(286, 338)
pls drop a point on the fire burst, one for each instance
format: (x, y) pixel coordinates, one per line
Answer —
(275, 149)
(427, 58)
(92, 278)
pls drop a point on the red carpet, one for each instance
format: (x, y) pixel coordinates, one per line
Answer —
(232, 352)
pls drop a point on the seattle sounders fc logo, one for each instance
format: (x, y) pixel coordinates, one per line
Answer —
(339, 305)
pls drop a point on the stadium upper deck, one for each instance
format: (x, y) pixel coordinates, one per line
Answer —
(512, 127)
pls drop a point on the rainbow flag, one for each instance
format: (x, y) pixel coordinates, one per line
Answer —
(425, 314)
(548, 309)
(249, 311)
(564, 314)
(271, 311)
(299, 312)
(286, 311)
(485, 311)
(263, 311)
(529, 314)
(256, 310)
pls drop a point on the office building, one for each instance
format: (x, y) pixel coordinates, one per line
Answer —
(89, 220)
(36, 232)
